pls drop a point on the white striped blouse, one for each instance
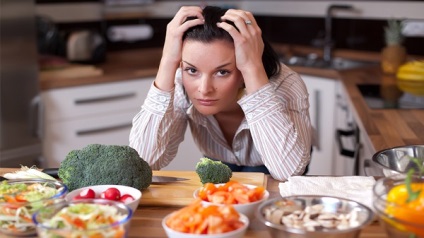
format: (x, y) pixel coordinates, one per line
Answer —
(276, 131)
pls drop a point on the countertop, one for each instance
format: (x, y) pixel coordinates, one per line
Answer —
(146, 221)
(385, 128)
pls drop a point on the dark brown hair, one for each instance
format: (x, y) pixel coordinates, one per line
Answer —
(209, 32)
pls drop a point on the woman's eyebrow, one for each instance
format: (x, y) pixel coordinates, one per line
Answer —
(220, 66)
(188, 63)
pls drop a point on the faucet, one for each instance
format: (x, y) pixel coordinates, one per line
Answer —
(328, 42)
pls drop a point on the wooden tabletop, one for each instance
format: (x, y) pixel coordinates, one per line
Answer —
(147, 219)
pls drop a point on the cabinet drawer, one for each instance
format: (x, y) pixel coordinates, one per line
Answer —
(75, 102)
(62, 137)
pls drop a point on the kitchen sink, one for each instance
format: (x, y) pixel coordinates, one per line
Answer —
(336, 63)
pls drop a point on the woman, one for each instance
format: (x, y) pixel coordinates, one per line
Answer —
(243, 107)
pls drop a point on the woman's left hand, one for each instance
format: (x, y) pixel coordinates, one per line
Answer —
(247, 40)
(248, 44)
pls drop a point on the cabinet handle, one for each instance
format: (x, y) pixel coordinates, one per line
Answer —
(342, 149)
(35, 117)
(104, 99)
(317, 95)
(102, 130)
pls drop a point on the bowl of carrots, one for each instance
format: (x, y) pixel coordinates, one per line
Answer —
(245, 198)
(199, 221)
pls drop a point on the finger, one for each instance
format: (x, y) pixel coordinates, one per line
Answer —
(188, 12)
(240, 14)
(188, 24)
(241, 19)
(235, 34)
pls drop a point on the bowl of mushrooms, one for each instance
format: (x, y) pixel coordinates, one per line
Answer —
(314, 216)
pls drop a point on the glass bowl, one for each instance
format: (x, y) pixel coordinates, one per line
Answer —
(83, 218)
(304, 216)
(399, 218)
(20, 198)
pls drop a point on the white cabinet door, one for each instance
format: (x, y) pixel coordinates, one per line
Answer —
(64, 136)
(322, 92)
(77, 116)
(102, 114)
(93, 100)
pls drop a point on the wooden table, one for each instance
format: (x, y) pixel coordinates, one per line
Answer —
(146, 221)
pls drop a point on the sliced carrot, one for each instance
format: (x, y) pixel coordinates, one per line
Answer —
(20, 198)
(98, 235)
(231, 192)
(197, 219)
(222, 197)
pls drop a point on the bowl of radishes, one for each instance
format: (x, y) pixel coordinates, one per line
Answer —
(128, 195)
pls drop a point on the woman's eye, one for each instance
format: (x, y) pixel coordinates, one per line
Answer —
(223, 72)
(190, 70)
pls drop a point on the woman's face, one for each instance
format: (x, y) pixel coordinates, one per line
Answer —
(210, 76)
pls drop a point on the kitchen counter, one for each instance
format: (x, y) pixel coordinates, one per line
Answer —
(146, 221)
(119, 66)
(385, 128)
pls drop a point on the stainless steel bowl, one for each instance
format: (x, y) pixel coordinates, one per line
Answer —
(334, 205)
(397, 160)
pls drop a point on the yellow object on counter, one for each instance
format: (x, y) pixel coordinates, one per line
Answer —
(413, 70)
(409, 213)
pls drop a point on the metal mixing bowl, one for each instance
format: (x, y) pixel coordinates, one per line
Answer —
(397, 160)
(333, 205)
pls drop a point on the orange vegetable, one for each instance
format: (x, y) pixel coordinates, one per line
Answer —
(403, 210)
(231, 192)
(197, 219)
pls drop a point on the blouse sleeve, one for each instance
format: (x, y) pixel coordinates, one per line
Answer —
(278, 117)
(158, 128)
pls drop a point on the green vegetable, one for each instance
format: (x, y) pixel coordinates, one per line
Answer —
(98, 164)
(211, 171)
(414, 195)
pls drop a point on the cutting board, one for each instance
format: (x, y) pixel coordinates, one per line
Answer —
(181, 193)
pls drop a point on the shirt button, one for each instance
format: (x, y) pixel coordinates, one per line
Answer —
(162, 99)
(160, 107)
(249, 115)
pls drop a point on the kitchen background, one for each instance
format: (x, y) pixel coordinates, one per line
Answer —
(87, 31)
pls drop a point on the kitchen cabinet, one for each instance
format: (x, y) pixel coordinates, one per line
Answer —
(99, 113)
(347, 147)
(322, 100)
(353, 145)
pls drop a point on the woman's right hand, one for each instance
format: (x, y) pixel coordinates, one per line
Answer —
(175, 31)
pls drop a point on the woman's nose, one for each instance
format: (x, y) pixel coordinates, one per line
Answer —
(205, 85)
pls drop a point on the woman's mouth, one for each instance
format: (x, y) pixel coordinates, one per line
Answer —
(206, 102)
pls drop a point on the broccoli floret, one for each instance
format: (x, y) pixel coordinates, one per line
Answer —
(211, 171)
(98, 164)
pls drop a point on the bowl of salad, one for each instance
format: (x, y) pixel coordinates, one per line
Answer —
(245, 198)
(199, 221)
(20, 198)
(83, 218)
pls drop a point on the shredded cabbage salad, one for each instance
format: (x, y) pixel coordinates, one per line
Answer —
(17, 203)
(85, 220)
